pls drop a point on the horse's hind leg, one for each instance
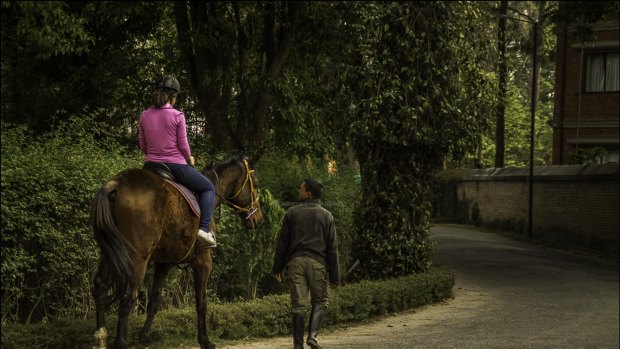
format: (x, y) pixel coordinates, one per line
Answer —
(100, 289)
(126, 305)
(161, 272)
(202, 269)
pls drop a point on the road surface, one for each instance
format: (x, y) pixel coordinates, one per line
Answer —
(508, 295)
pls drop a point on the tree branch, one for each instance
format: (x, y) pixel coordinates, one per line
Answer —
(185, 41)
(268, 29)
(286, 42)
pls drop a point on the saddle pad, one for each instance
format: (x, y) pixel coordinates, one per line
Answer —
(190, 196)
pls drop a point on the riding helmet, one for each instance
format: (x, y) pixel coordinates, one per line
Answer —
(170, 82)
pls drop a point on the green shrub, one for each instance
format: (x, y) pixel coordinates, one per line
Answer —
(244, 258)
(264, 317)
(48, 253)
(282, 172)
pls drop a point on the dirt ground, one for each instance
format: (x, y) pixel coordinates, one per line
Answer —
(466, 303)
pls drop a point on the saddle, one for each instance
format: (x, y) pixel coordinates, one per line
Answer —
(159, 168)
(164, 171)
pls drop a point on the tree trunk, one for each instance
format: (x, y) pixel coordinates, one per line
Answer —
(211, 68)
(540, 44)
(393, 236)
(501, 100)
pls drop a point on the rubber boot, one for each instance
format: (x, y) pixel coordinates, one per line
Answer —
(298, 332)
(318, 311)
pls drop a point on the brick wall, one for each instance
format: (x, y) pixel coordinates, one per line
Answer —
(573, 206)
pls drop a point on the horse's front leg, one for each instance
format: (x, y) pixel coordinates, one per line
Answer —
(159, 277)
(202, 269)
(100, 289)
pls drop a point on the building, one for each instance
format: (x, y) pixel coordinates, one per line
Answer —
(587, 100)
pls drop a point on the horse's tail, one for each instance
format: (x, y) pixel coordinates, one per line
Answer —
(112, 243)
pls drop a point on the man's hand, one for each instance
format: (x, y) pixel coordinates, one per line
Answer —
(278, 277)
(191, 161)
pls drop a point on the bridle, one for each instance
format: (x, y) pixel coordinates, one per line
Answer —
(252, 207)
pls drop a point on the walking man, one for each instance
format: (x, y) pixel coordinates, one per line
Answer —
(307, 252)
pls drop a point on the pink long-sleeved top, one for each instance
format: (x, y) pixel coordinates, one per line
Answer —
(163, 135)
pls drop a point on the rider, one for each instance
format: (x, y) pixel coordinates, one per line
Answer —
(163, 139)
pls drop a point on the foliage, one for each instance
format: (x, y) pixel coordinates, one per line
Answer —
(233, 51)
(282, 172)
(518, 120)
(46, 28)
(422, 95)
(588, 155)
(49, 254)
(264, 317)
(582, 14)
(517, 114)
(48, 183)
(550, 15)
(310, 98)
(244, 259)
(109, 55)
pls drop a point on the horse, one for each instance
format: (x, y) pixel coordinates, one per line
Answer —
(139, 218)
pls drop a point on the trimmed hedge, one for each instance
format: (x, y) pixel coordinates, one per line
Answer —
(264, 317)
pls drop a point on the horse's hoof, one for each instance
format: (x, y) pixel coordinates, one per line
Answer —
(147, 338)
(209, 345)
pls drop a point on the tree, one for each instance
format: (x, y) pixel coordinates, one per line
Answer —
(519, 40)
(233, 52)
(312, 97)
(422, 96)
(501, 105)
(71, 58)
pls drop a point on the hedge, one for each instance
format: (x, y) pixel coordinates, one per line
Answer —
(260, 318)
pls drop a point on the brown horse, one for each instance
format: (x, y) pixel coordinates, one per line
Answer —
(139, 218)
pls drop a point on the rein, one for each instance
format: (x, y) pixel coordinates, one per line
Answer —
(250, 209)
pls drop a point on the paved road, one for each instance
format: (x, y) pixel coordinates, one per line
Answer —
(508, 295)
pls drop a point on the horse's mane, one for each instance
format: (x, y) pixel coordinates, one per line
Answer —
(225, 163)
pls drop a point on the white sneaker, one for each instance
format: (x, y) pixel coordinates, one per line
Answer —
(207, 237)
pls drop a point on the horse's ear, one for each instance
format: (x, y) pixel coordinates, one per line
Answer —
(257, 155)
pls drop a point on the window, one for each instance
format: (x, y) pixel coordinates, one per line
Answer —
(602, 72)
(607, 156)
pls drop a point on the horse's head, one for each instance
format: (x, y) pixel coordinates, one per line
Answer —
(237, 187)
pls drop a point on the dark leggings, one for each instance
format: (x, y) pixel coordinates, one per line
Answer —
(197, 182)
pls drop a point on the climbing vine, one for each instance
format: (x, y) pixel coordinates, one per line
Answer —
(423, 95)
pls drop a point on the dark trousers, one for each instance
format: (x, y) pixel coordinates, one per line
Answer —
(201, 185)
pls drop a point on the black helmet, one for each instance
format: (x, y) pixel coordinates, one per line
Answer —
(170, 82)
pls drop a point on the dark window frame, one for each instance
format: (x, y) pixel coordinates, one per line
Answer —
(586, 71)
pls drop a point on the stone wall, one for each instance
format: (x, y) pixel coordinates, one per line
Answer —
(574, 206)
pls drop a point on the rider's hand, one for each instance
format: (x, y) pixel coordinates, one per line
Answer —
(191, 161)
